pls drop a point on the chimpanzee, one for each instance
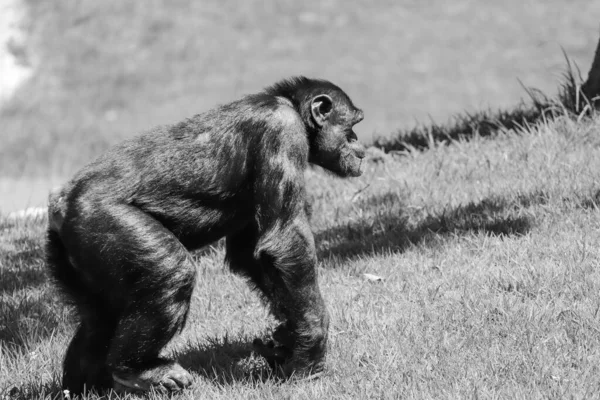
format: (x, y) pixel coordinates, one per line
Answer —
(121, 230)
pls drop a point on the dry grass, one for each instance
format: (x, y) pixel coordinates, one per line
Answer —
(488, 250)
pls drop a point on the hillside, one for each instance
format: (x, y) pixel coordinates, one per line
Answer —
(488, 254)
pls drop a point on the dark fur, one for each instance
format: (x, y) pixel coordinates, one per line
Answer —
(120, 231)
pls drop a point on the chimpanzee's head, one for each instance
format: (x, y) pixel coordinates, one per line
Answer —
(334, 145)
(329, 115)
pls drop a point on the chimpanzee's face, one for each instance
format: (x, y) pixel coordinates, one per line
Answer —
(336, 146)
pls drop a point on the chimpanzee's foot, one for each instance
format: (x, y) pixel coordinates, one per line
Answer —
(299, 370)
(276, 356)
(279, 350)
(308, 343)
(284, 364)
(167, 376)
(286, 360)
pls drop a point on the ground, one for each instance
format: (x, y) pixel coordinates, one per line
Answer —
(466, 270)
(487, 252)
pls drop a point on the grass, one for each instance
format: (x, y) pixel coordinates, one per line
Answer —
(569, 100)
(488, 250)
(486, 240)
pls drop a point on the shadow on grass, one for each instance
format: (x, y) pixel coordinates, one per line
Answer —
(28, 311)
(227, 361)
(21, 255)
(40, 390)
(21, 269)
(27, 319)
(590, 203)
(392, 231)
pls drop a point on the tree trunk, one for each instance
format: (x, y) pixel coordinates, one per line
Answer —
(591, 87)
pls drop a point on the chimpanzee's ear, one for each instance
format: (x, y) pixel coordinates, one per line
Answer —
(320, 108)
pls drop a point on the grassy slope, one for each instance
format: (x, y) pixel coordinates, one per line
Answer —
(109, 69)
(488, 251)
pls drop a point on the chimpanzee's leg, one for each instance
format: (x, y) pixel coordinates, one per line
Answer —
(149, 276)
(84, 366)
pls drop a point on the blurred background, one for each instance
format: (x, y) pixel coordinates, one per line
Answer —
(79, 76)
